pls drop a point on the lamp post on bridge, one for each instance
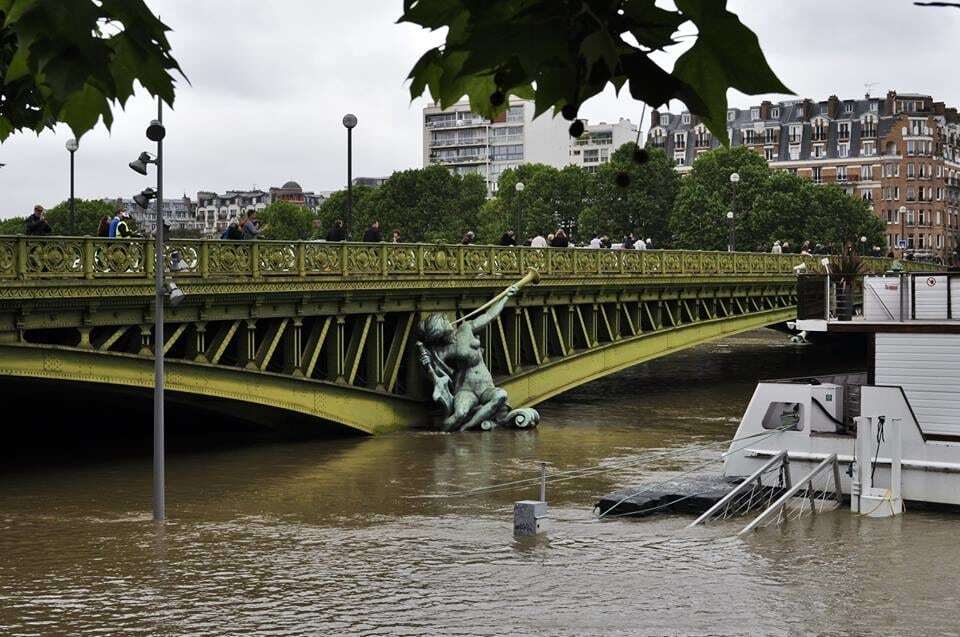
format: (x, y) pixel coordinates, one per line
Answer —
(349, 122)
(72, 147)
(734, 180)
(519, 188)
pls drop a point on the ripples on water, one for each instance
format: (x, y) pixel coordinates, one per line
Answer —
(354, 536)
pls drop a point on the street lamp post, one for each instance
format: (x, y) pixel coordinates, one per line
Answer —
(519, 188)
(903, 230)
(72, 147)
(863, 244)
(349, 122)
(732, 239)
(734, 180)
(155, 133)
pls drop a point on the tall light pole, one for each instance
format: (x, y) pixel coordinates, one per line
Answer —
(72, 147)
(903, 230)
(734, 180)
(155, 133)
(863, 244)
(519, 188)
(349, 122)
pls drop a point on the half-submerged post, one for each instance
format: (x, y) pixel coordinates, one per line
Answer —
(528, 513)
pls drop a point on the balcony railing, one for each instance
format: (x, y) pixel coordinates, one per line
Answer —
(24, 258)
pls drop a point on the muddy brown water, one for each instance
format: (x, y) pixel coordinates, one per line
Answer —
(364, 536)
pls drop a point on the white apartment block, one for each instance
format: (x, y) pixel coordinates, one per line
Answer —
(467, 143)
(179, 214)
(599, 141)
(215, 211)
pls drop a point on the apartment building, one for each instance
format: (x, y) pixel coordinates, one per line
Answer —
(215, 211)
(598, 142)
(467, 143)
(178, 214)
(899, 153)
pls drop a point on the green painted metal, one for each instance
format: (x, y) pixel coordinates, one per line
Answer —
(327, 329)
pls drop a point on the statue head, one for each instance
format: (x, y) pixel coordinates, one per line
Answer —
(435, 330)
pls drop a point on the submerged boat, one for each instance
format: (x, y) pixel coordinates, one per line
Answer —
(892, 432)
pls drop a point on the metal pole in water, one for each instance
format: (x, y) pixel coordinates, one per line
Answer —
(159, 469)
(543, 481)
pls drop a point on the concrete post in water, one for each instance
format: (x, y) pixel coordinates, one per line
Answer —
(528, 513)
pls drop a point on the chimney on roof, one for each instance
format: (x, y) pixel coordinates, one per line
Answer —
(807, 108)
(765, 109)
(833, 106)
(654, 118)
(888, 103)
(939, 108)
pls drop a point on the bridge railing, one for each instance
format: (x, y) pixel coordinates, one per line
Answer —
(41, 258)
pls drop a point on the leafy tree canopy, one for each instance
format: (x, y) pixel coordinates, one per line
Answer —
(629, 197)
(286, 221)
(770, 205)
(88, 215)
(13, 225)
(563, 52)
(72, 61)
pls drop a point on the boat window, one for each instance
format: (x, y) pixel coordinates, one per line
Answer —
(783, 415)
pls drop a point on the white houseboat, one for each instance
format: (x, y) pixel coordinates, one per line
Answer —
(891, 433)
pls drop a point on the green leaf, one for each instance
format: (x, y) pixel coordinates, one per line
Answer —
(652, 26)
(726, 55)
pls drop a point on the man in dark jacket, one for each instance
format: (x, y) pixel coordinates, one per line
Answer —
(336, 232)
(36, 223)
(509, 238)
(373, 234)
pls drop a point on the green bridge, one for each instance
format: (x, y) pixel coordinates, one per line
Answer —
(325, 330)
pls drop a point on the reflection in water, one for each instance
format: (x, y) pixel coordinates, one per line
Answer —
(358, 536)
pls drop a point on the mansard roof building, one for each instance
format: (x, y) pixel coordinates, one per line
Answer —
(900, 153)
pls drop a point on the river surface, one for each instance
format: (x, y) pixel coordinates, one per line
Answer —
(370, 536)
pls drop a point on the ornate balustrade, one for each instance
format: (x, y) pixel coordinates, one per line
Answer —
(45, 258)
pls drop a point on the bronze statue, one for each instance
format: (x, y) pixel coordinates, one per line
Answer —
(452, 356)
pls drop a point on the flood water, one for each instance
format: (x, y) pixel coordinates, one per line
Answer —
(371, 536)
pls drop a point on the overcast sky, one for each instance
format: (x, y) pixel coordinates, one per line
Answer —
(270, 82)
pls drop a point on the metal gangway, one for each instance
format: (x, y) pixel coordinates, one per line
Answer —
(784, 501)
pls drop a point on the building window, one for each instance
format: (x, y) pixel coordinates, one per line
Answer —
(679, 160)
(841, 173)
(799, 110)
(866, 173)
(911, 171)
(848, 107)
(731, 115)
(795, 152)
(909, 216)
(796, 133)
(754, 114)
(775, 112)
(817, 174)
(686, 118)
(591, 156)
(680, 141)
(769, 154)
(843, 150)
(819, 151)
(749, 136)
(869, 148)
(843, 130)
(874, 106)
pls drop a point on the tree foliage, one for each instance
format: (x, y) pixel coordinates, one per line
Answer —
(429, 204)
(563, 52)
(286, 221)
(73, 61)
(770, 205)
(88, 214)
(643, 205)
(13, 225)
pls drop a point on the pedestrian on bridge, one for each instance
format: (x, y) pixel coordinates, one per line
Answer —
(252, 229)
(373, 234)
(777, 248)
(395, 236)
(37, 223)
(509, 238)
(122, 230)
(336, 233)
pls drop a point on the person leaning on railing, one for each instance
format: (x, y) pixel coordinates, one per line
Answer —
(36, 223)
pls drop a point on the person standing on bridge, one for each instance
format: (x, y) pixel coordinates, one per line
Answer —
(37, 223)
(373, 234)
(252, 229)
(777, 248)
(336, 232)
(509, 238)
(122, 230)
(395, 236)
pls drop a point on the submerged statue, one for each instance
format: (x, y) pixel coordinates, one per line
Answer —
(452, 357)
